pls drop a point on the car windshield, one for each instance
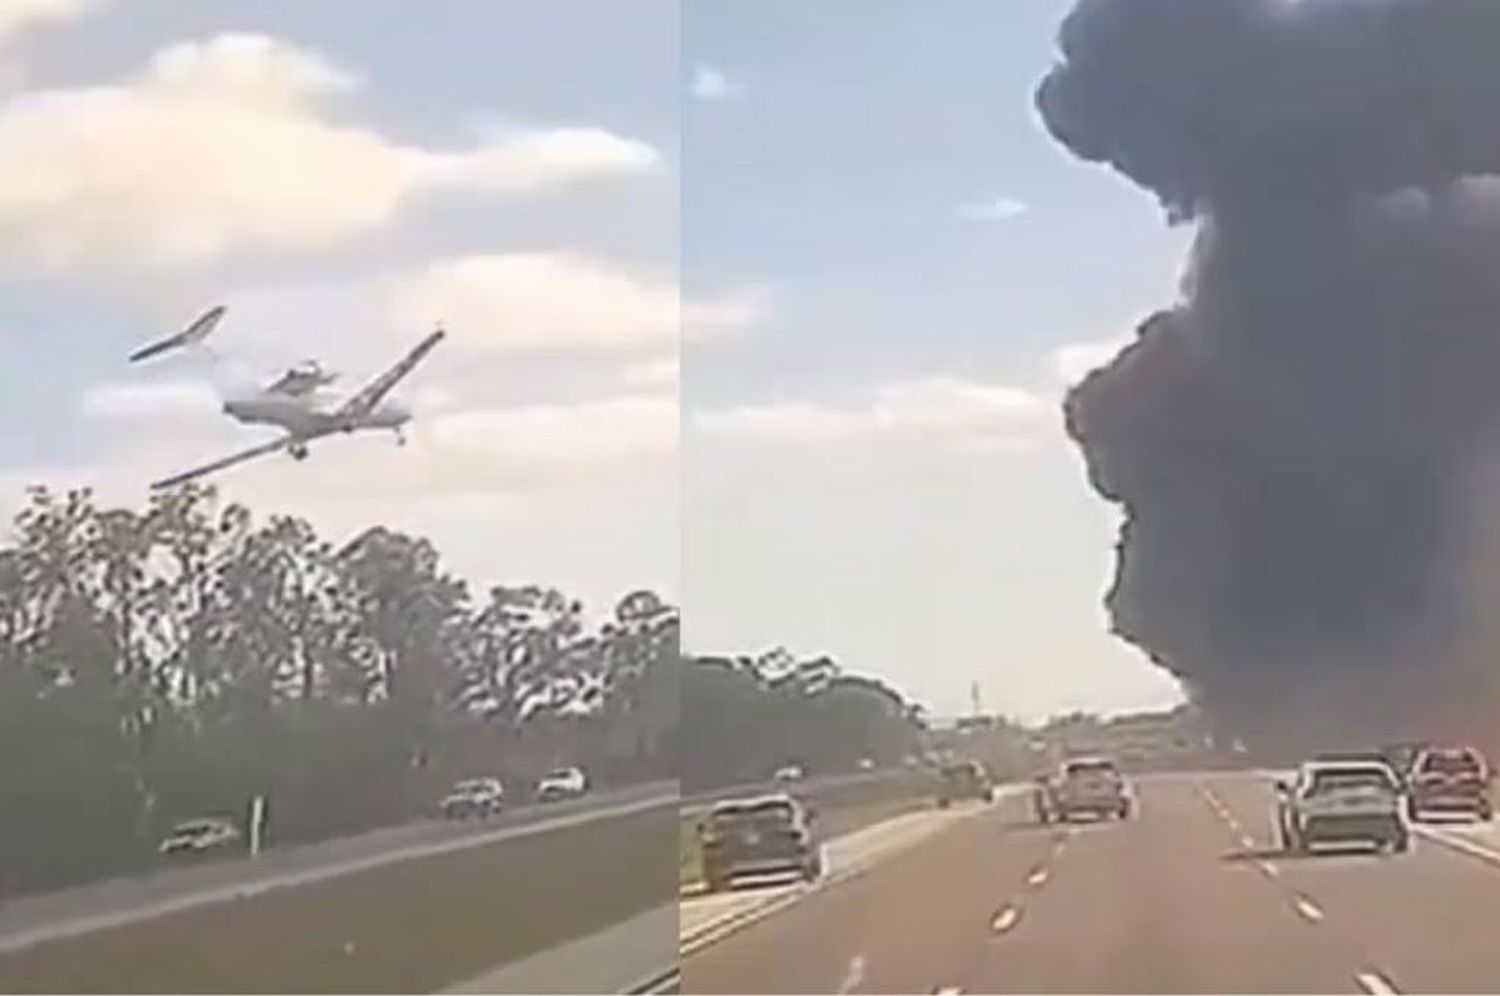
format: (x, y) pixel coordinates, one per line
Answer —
(197, 828)
(476, 785)
(1451, 763)
(1085, 769)
(1351, 778)
(778, 813)
(564, 775)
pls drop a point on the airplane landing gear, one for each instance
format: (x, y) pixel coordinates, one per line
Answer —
(400, 437)
(298, 451)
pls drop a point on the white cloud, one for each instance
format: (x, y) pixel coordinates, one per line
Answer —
(559, 302)
(172, 399)
(1071, 363)
(229, 144)
(551, 441)
(664, 372)
(992, 209)
(941, 410)
(17, 16)
(712, 84)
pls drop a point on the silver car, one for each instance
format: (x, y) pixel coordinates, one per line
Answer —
(201, 836)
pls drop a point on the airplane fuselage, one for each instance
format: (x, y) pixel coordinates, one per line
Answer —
(310, 416)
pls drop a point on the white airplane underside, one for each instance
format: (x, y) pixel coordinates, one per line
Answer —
(295, 404)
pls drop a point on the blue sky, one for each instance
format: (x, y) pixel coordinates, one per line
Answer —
(878, 469)
(887, 275)
(435, 151)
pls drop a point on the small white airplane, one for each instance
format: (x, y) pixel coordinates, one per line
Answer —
(293, 403)
(193, 335)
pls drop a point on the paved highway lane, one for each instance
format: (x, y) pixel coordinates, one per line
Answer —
(33, 920)
(1189, 896)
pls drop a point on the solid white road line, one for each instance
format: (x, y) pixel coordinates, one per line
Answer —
(1375, 984)
(1458, 843)
(1307, 908)
(1005, 919)
(854, 975)
(947, 990)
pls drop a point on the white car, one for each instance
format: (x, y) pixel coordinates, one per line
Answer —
(199, 837)
(473, 797)
(866, 764)
(1342, 801)
(789, 773)
(564, 783)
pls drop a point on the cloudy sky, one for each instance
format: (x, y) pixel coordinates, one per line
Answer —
(343, 175)
(875, 467)
(888, 276)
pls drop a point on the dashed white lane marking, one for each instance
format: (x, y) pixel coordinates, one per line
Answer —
(1037, 877)
(1268, 869)
(1375, 984)
(854, 976)
(1307, 908)
(946, 990)
(1247, 842)
(1005, 919)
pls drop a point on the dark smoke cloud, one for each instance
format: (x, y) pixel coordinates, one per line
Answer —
(1306, 445)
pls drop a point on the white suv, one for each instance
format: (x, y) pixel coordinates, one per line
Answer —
(564, 783)
(1342, 801)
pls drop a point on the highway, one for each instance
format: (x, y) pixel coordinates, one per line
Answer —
(1191, 895)
(116, 902)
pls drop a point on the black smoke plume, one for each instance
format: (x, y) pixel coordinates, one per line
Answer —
(1306, 446)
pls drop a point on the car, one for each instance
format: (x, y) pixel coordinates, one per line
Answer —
(758, 835)
(197, 837)
(963, 780)
(866, 764)
(1446, 780)
(563, 783)
(788, 773)
(473, 798)
(1342, 801)
(1092, 786)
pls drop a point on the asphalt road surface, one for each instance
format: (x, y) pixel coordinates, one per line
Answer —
(1190, 895)
(70, 912)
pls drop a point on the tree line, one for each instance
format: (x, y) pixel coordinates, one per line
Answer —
(745, 717)
(175, 661)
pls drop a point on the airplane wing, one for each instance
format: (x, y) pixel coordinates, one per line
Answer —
(209, 468)
(373, 393)
(194, 333)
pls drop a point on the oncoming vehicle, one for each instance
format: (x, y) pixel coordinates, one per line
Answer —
(1445, 780)
(765, 835)
(564, 783)
(473, 797)
(201, 836)
(788, 773)
(963, 780)
(1342, 802)
(1091, 786)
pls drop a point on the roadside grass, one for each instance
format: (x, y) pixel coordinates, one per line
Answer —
(415, 926)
